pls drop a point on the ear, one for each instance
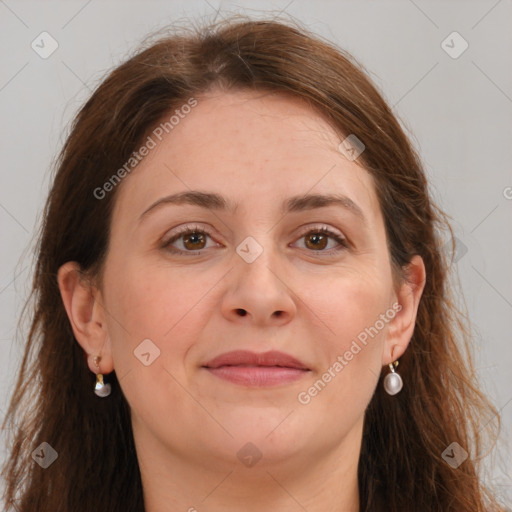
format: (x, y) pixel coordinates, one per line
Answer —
(86, 314)
(401, 328)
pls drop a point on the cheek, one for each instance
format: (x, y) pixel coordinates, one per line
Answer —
(347, 303)
(354, 311)
(156, 303)
(155, 318)
(151, 301)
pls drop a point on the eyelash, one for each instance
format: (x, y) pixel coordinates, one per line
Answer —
(186, 230)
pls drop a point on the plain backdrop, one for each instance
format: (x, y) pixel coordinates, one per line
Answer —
(456, 105)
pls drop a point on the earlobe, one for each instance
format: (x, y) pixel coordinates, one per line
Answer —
(401, 328)
(85, 315)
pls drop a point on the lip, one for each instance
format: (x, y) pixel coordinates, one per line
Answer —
(248, 358)
(257, 369)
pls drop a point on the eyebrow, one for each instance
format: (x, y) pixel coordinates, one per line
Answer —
(213, 201)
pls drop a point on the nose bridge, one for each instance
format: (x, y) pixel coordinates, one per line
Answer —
(257, 288)
(259, 261)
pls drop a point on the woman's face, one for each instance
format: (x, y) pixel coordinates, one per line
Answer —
(256, 273)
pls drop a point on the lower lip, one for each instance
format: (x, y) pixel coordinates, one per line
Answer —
(258, 376)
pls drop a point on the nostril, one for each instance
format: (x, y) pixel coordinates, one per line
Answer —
(241, 312)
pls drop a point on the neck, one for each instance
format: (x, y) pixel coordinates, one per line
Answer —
(326, 482)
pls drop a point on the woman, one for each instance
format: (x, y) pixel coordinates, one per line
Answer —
(238, 249)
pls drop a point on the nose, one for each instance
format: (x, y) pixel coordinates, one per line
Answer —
(259, 293)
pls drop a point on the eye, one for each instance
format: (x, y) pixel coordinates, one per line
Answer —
(318, 239)
(194, 238)
(190, 238)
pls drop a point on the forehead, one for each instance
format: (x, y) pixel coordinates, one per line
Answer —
(253, 147)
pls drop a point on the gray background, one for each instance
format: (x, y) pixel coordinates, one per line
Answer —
(457, 110)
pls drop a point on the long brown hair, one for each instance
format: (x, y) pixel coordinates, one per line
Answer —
(401, 468)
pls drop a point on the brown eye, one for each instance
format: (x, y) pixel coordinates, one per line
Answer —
(194, 240)
(188, 240)
(316, 241)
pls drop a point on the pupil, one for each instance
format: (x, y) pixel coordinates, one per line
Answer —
(194, 238)
(318, 238)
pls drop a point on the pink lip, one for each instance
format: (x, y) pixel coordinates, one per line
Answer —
(253, 369)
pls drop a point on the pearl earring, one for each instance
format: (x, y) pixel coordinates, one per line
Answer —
(101, 389)
(393, 383)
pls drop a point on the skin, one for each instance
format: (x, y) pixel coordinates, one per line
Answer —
(255, 149)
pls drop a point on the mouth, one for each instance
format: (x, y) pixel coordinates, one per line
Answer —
(257, 369)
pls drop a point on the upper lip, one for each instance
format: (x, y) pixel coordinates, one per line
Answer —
(247, 358)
